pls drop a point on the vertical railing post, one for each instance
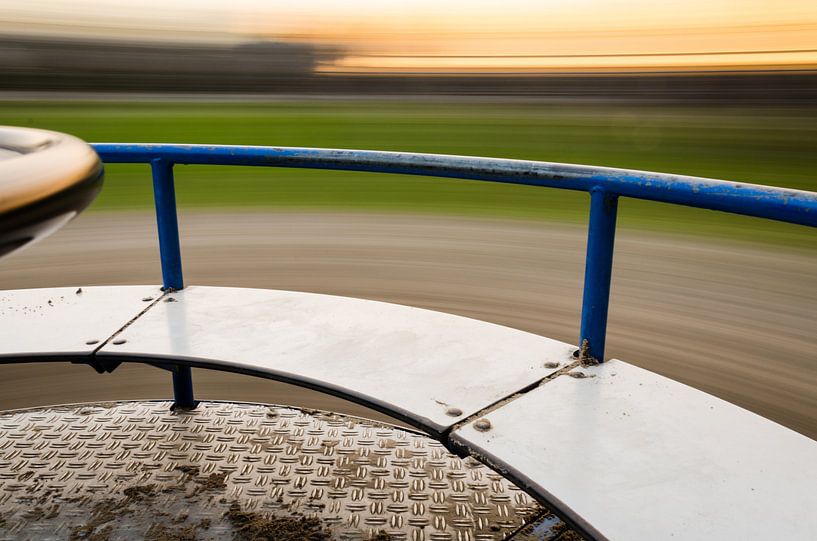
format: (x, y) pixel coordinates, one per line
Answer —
(164, 195)
(183, 388)
(598, 270)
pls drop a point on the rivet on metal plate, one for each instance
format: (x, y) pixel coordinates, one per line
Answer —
(551, 364)
(147, 299)
(119, 341)
(453, 412)
(91, 342)
(482, 425)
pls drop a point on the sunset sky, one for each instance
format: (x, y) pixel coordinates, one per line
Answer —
(463, 36)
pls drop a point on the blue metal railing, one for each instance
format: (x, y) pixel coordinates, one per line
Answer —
(605, 186)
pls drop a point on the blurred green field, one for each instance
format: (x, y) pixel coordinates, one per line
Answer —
(776, 146)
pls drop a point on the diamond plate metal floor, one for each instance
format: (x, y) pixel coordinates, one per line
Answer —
(136, 470)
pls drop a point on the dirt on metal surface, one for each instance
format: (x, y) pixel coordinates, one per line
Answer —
(160, 532)
(214, 481)
(585, 358)
(252, 526)
(136, 470)
(106, 511)
(732, 319)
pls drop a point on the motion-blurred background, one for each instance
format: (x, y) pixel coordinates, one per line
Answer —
(722, 89)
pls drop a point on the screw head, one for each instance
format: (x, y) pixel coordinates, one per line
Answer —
(453, 412)
(482, 425)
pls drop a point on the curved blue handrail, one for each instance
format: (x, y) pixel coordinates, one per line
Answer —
(786, 205)
(604, 184)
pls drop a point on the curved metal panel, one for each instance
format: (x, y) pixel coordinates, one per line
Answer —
(428, 368)
(781, 204)
(641, 457)
(66, 322)
(618, 451)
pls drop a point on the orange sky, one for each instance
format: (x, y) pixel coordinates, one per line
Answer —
(466, 36)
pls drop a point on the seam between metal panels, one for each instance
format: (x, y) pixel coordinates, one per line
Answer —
(508, 399)
(458, 448)
(129, 322)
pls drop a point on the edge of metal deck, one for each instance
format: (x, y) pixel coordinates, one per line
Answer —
(621, 452)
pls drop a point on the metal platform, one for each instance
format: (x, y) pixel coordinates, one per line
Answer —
(136, 470)
(620, 453)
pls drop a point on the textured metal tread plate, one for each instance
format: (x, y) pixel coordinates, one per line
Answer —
(643, 457)
(136, 470)
(60, 321)
(429, 368)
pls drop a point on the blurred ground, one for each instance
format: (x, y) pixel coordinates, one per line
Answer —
(734, 319)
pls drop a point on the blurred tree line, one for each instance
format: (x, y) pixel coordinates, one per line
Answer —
(82, 65)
